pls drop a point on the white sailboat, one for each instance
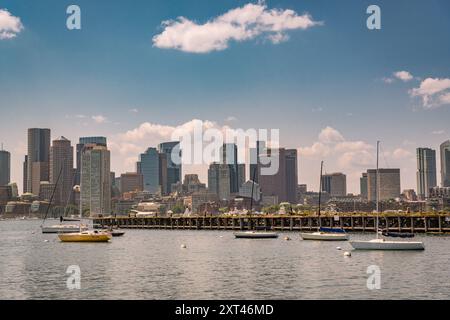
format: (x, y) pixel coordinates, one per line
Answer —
(59, 228)
(324, 234)
(379, 243)
(254, 234)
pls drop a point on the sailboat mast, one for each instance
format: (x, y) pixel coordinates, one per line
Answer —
(320, 192)
(377, 186)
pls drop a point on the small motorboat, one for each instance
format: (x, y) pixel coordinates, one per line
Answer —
(382, 244)
(86, 236)
(117, 233)
(63, 228)
(255, 235)
(325, 236)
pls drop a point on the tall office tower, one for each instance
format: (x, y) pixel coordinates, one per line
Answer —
(149, 165)
(282, 184)
(131, 181)
(445, 164)
(389, 184)
(173, 168)
(38, 164)
(241, 174)
(61, 161)
(291, 175)
(164, 174)
(363, 185)
(255, 159)
(335, 184)
(25, 175)
(426, 171)
(99, 141)
(95, 180)
(5, 167)
(219, 180)
(229, 157)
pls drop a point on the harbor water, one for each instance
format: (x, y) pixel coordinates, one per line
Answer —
(154, 264)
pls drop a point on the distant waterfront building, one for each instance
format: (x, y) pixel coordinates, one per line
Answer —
(219, 180)
(131, 181)
(25, 175)
(335, 184)
(99, 141)
(229, 157)
(426, 172)
(445, 164)
(282, 184)
(164, 174)
(389, 184)
(149, 168)
(409, 195)
(61, 161)
(246, 190)
(192, 184)
(363, 185)
(95, 180)
(302, 189)
(38, 162)
(5, 167)
(173, 170)
(255, 159)
(46, 191)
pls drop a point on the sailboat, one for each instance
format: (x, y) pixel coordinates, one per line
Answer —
(379, 243)
(324, 234)
(254, 234)
(85, 235)
(59, 228)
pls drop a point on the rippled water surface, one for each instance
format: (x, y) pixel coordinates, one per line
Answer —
(150, 264)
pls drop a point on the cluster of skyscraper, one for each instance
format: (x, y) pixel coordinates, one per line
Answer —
(49, 167)
(227, 177)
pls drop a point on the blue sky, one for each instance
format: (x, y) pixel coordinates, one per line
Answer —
(338, 75)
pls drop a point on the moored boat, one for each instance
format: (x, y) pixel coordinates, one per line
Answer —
(255, 235)
(382, 244)
(325, 236)
(85, 236)
(63, 228)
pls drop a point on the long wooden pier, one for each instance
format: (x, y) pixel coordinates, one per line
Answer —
(357, 223)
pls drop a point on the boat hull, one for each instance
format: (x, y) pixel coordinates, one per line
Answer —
(62, 229)
(323, 236)
(387, 245)
(255, 235)
(85, 237)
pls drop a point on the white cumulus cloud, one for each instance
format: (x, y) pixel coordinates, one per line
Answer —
(10, 25)
(433, 91)
(240, 24)
(403, 75)
(99, 119)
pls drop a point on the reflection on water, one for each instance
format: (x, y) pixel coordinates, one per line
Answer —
(150, 264)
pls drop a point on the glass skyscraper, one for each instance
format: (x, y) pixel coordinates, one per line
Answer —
(426, 171)
(149, 168)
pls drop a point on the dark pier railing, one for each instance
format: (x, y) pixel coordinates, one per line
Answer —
(354, 222)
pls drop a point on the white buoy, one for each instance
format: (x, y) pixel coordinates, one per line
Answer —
(347, 254)
(338, 248)
(183, 246)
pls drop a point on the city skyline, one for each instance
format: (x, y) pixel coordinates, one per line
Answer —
(204, 175)
(334, 104)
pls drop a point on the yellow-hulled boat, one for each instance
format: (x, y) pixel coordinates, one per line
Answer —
(86, 236)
